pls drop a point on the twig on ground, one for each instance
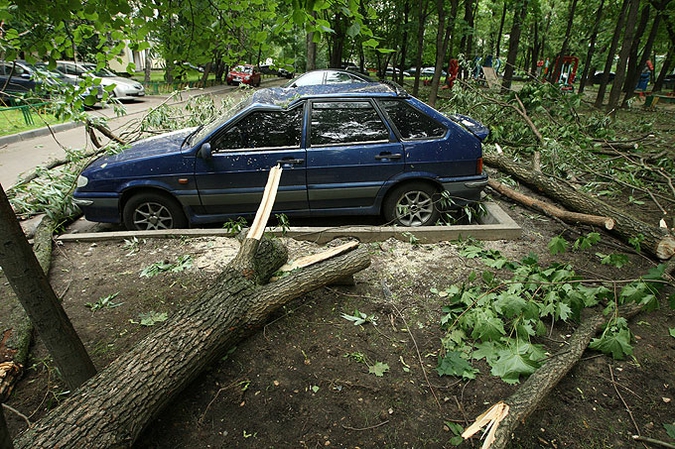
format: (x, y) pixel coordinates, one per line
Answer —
(630, 413)
(365, 428)
(19, 414)
(388, 295)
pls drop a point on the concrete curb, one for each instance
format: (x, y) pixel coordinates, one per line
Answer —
(38, 132)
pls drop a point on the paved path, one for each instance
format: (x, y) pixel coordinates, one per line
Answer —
(21, 153)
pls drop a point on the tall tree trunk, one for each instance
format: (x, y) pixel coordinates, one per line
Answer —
(421, 18)
(311, 49)
(629, 34)
(587, 74)
(647, 49)
(555, 74)
(32, 288)
(599, 99)
(518, 20)
(665, 69)
(440, 50)
(500, 32)
(404, 39)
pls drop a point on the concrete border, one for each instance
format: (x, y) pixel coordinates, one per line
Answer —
(495, 225)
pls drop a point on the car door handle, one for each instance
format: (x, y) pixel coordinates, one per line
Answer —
(395, 156)
(290, 161)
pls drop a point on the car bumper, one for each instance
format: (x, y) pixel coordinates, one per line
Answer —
(467, 191)
(104, 210)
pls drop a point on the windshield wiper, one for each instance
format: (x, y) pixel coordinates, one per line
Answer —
(192, 134)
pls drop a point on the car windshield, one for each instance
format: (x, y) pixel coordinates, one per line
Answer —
(243, 69)
(101, 72)
(209, 128)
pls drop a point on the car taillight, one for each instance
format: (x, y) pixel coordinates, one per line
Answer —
(479, 166)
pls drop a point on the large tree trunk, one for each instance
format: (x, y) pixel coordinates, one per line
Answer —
(32, 288)
(657, 242)
(514, 40)
(114, 407)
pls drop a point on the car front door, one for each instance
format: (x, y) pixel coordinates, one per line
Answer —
(352, 153)
(233, 179)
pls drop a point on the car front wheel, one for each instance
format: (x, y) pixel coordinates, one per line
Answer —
(152, 211)
(412, 205)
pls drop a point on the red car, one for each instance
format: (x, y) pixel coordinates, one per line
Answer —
(244, 73)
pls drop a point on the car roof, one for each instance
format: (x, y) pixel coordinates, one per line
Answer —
(289, 96)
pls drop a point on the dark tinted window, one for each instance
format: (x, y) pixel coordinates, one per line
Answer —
(411, 123)
(346, 122)
(263, 129)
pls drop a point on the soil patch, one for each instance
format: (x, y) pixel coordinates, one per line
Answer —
(304, 379)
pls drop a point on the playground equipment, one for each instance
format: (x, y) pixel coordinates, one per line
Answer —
(565, 71)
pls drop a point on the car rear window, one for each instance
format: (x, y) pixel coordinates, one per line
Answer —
(345, 122)
(410, 122)
(263, 129)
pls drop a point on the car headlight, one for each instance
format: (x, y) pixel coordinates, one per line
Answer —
(82, 181)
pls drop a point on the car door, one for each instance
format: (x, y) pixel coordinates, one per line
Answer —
(352, 153)
(233, 179)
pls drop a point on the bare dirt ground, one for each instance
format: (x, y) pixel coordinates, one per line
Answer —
(301, 381)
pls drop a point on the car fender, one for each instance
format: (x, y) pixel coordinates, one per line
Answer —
(401, 178)
(188, 197)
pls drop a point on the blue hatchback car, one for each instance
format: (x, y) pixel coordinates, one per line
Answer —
(356, 149)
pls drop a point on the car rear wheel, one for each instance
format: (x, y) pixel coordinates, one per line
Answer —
(412, 204)
(151, 211)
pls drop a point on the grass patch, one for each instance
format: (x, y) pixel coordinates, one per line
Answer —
(12, 121)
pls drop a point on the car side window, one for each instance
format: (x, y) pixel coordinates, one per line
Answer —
(262, 129)
(344, 122)
(410, 122)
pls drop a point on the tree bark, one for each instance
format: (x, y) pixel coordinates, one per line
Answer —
(114, 407)
(32, 288)
(656, 241)
(549, 209)
(602, 89)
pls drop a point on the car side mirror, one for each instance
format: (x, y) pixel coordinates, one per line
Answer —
(205, 151)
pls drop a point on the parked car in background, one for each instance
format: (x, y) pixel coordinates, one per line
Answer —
(283, 73)
(669, 82)
(597, 77)
(390, 72)
(328, 76)
(124, 89)
(19, 77)
(429, 71)
(244, 74)
(345, 149)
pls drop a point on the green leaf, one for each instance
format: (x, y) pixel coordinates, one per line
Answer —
(378, 369)
(488, 328)
(511, 365)
(670, 429)
(615, 341)
(557, 245)
(152, 318)
(671, 332)
(454, 365)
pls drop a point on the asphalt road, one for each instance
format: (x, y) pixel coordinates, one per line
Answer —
(21, 153)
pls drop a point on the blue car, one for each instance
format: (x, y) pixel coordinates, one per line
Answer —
(356, 149)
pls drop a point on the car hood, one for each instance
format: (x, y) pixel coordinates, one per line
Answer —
(162, 145)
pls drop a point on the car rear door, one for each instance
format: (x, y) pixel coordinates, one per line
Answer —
(232, 181)
(351, 154)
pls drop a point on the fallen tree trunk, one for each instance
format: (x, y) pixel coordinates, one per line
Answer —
(549, 209)
(504, 417)
(111, 409)
(656, 241)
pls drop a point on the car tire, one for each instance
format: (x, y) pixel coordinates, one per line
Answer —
(153, 211)
(412, 204)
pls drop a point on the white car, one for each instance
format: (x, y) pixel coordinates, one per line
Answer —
(125, 88)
